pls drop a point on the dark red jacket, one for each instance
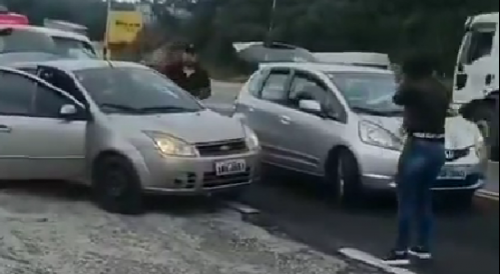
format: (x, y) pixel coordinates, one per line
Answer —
(198, 83)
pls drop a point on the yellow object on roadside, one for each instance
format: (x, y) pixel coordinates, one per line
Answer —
(123, 27)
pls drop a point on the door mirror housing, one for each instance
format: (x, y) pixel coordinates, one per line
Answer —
(68, 110)
(310, 106)
(71, 112)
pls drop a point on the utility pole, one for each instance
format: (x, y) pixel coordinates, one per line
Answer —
(269, 38)
(106, 51)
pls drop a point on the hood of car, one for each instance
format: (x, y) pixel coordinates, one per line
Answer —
(460, 133)
(196, 127)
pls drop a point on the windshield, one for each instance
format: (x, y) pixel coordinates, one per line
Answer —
(368, 92)
(74, 48)
(24, 40)
(135, 91)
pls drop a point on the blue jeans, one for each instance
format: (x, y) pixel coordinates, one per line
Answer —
(419, 167)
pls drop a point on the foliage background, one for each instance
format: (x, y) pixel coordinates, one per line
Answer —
(391, 26)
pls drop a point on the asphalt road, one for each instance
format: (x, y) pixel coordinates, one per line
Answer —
(467, 241)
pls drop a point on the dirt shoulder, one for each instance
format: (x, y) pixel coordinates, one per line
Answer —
(57, 234)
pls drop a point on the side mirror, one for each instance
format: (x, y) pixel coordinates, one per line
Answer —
(68, 111)
(310, 106)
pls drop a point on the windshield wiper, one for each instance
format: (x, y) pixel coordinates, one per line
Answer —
(166, 109)
(123, 108)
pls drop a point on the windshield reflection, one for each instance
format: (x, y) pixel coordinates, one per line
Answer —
(368, 92)
(134, 90)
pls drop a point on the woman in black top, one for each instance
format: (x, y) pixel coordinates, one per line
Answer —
(426, 102)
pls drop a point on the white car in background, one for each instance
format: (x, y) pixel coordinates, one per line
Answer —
(339, 123)
(365, 59)
(23, 40)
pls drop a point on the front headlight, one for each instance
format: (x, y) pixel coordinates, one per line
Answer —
(172, 146)
(375, 135)
(251, 139)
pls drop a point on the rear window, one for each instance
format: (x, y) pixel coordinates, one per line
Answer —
(24, 40)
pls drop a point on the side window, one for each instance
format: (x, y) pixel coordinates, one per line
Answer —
(48, 102)
(274, 88)
(63, 81)
(305, 87)
(32, 71)
(479, 43)
(16, 94)
(255, 82)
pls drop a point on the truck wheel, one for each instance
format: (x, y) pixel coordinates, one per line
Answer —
(117, 187)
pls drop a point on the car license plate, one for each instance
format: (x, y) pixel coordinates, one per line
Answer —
(230, 167)
(450, 173)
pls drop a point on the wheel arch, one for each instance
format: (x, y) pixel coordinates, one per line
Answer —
(333, 154)
(139, 166)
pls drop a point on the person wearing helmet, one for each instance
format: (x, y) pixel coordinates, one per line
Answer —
(188, 74)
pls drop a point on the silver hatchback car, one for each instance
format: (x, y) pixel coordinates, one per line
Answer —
(120, 127)
(339, 123)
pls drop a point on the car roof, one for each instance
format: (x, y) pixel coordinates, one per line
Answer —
(49, 32)
(486, 18)
(75, 65)
(327, 68)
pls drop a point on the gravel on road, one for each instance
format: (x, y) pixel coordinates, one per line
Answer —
(54, 234)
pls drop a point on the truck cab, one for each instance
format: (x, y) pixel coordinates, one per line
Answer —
(477, 73)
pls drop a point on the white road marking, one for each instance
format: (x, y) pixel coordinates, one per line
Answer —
(487, 194)
(369, 259)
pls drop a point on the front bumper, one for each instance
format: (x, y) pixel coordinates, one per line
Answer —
(197, 176)
(378, 168)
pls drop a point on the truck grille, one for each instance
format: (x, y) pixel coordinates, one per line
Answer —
(226, 147)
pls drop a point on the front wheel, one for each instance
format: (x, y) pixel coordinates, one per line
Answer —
(117, 187)
(483, 116)
(344, 176)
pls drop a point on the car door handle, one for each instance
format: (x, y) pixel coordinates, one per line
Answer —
(5, 129)
(251, 109)
(285, 120)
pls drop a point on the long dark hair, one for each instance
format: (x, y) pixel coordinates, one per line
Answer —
(419, 65)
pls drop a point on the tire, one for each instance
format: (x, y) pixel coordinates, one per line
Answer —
(344, 176)
(485, 120)
(117, 187)
(483, 115)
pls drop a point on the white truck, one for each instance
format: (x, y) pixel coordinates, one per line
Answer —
(477, 73)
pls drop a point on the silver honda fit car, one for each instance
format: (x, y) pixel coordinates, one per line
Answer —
(338, 123)
(120, 127)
